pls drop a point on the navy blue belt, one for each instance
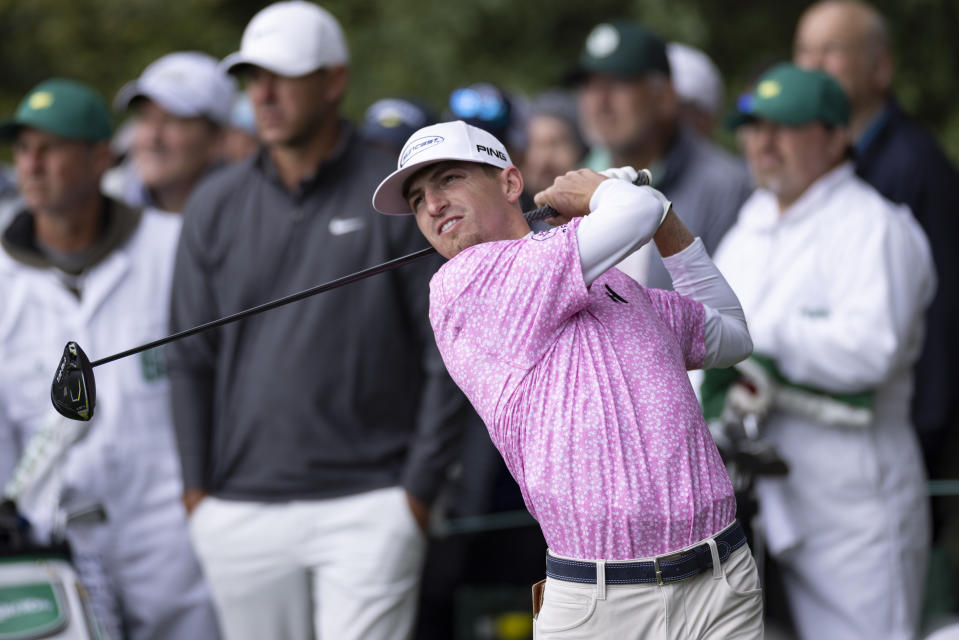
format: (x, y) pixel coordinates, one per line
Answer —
(662, 569)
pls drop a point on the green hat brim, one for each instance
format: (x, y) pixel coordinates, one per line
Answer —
(9, 129)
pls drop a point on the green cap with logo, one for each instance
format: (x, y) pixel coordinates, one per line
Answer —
(62, 107)
(792, 96)
(621, 48)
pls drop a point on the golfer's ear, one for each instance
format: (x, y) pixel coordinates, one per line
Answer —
(512, 183)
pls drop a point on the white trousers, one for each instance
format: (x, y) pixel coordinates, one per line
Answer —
(855, 504)
(139, 566)
(339, 569)
(724, 604)
(857, 583)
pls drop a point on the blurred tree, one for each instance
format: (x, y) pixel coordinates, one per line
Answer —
(414, 47)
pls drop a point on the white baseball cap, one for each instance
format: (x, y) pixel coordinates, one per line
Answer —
(291, 39)
(438, 142)
(695, 77)
(185, 83)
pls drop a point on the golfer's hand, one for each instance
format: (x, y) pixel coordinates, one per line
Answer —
(570, 195)
(192, 498)
(421, 513)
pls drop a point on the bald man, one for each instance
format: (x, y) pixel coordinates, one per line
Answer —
(849, 39)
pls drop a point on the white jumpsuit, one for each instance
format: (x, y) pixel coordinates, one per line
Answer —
(834, 289)
(149, 579)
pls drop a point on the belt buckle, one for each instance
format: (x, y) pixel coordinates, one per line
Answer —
(659, 574)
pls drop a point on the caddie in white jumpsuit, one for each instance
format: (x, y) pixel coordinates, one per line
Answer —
(834, 280)
(108, 290)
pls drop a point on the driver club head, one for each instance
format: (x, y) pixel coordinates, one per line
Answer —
(74, 391)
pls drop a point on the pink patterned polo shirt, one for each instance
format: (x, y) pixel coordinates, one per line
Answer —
(585, 394)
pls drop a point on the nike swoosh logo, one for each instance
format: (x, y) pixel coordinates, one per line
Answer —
(340, 226)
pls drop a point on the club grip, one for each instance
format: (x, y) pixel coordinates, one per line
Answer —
(643, 177)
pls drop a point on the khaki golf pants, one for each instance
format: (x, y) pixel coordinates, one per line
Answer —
(721, 604)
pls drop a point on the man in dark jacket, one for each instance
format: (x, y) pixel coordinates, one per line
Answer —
(849, 39)
(629, 105)
(314, 438)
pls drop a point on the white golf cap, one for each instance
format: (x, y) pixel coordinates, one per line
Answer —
(695, 77)
(291, 39)
(436, 143)
(185, 83)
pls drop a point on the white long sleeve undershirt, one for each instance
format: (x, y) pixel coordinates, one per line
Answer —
(623, 218)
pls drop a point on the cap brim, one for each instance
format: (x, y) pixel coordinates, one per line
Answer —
(388, 197)
(574, 77)
(235, 62)
(578, 74)
(737, 119)
(133, 90)
(127, 94)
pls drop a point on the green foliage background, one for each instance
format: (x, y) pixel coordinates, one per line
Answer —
(426, 48)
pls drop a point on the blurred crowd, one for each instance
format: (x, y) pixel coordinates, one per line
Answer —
(313, 472)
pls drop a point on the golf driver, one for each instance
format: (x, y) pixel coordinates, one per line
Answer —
(74, 392)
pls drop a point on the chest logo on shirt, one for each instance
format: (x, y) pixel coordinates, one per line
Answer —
(814, 312)
(549, 233)
(341, 226)
(153, 365)
(615, 297)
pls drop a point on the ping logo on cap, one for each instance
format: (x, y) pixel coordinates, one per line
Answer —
(41, 100)
(493, 152)
(768, 89)
(418, 145)
(603, 41)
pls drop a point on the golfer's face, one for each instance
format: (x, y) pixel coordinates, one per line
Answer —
(459, 204)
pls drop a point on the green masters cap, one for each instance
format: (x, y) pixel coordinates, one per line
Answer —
(789, 95)
(621, 48)
(63, 107)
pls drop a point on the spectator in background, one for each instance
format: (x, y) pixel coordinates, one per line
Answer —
(834, 280)
(78, 266)
(628, 104)
(699, 85)
(390, 121)
(240, 140)
(554, 142)
(489, 107)
(181, 103)
(850, 40)
(313, 440)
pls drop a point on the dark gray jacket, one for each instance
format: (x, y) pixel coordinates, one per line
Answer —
(907, 166)
(707, 186)
(337, 394)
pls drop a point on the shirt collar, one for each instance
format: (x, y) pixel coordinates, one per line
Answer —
(872, 129)
(265, 162)
(119, 221)
(767, 217)
(817, 194)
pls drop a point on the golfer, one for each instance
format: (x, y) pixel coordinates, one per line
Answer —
(580, 376)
